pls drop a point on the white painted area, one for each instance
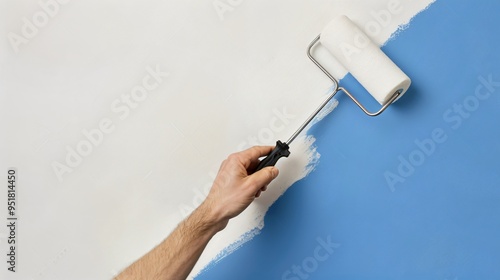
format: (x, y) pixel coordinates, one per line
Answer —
(231, 77)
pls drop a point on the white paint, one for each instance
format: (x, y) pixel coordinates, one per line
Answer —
(226, 81)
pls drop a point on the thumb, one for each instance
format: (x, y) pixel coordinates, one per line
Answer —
(262, 177)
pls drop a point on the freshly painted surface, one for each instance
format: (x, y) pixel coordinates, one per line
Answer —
(412, 194)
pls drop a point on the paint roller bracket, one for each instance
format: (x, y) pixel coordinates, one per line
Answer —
(282, 149)
(337, 88)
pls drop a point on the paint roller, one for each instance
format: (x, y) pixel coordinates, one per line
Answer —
(371, 67)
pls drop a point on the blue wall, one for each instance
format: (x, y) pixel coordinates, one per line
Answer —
(381, 206)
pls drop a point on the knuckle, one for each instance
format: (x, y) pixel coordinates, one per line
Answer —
(270, 173)
(247, 184)
(251, 186)
(232, 157)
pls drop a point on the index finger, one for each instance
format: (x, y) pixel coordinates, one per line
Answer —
(251, 155)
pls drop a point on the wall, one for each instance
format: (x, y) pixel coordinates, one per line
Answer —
(119, 114)
(411, 194)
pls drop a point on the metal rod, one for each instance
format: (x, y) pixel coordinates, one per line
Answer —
(394, 96)
(309, 54)
(311, 117)
(335, 90)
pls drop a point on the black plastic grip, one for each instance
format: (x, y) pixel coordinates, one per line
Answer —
(281, 150)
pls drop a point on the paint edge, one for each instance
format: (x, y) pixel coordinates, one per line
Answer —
(403, 26)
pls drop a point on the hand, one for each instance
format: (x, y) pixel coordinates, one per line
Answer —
(233, 190)
(235, 187)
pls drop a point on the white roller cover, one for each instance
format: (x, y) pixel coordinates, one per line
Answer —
(363, 59)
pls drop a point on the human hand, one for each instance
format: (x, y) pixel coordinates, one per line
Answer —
(235, 187)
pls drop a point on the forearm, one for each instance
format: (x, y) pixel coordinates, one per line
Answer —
(233, 190)
(176, 256)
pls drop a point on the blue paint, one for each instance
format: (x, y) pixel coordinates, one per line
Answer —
(443, 221)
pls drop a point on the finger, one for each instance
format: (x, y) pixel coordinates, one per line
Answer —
(263, 189)
(258, 194)
(254, 160)
(262, 178)
(250, 157)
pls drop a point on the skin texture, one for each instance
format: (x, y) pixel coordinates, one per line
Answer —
(234, 188)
